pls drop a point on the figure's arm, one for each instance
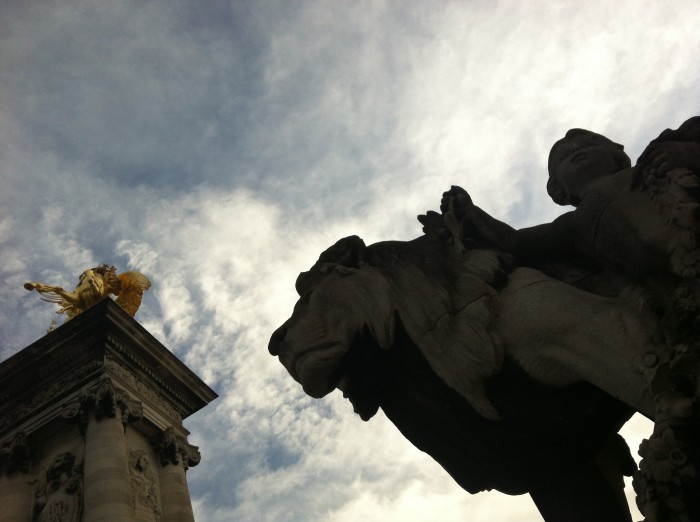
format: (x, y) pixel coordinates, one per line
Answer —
(525, 244)
(541, 241)
(480, 225)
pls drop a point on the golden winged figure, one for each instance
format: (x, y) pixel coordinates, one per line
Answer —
(96, 284)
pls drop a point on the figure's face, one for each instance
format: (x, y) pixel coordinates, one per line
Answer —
(581, 159)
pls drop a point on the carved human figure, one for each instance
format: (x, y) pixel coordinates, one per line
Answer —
(449, 337)
(641, 224)
(94, 285)
(639, 221)
(59, 497)
(143, 483)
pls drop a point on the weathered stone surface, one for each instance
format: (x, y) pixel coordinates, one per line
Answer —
(514, 356)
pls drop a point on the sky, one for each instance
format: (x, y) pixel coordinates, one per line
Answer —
(219, 146)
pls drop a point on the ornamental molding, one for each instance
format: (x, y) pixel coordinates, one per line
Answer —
(50, 394)
(106, 401)
(173, 449)
(144, 391)
(128, 353)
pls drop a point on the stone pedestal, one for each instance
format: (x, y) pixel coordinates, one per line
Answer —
(91, 425)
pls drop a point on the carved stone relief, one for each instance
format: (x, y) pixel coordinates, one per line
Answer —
(144, 489)
(462, 335)
(54, 390)
(174, 449)
(107, 400)
(59, 494)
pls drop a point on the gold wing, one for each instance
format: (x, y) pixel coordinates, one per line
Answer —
(133, 285)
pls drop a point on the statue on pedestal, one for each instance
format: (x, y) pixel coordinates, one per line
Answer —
(513, 357)
(94, 285)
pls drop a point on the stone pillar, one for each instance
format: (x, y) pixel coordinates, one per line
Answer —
(174, 494)
(17, 492)
(107, 491)
(106, 471)
(176, 455)
(17, 498)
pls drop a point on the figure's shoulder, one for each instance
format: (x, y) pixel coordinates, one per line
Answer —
(603, 192)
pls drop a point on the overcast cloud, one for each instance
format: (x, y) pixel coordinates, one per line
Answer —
(219, 147)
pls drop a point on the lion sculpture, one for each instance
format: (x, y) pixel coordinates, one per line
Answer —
(509, 379)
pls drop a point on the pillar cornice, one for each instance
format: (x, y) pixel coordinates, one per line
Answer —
(173, 449)
(45, 379)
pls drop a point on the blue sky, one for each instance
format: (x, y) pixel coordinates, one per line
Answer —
(219, 147)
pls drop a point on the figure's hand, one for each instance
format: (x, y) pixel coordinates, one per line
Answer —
(455, 206)
(434, 224)
(457, 201)
(669, 155)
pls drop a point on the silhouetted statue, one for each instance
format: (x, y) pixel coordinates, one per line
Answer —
(513, 357)
(632, 225)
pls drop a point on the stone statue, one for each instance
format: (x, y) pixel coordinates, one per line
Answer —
(461, 353)
(639, 221)
(58, 497)
(640, 224)
(513, 357)
(94, 285)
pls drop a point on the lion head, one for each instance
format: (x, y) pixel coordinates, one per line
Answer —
(351, 301)
(341, 299)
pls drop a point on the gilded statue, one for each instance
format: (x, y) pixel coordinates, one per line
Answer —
(96, 284)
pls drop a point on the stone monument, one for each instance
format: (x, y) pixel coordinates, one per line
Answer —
(91, 424)
(513, 357)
